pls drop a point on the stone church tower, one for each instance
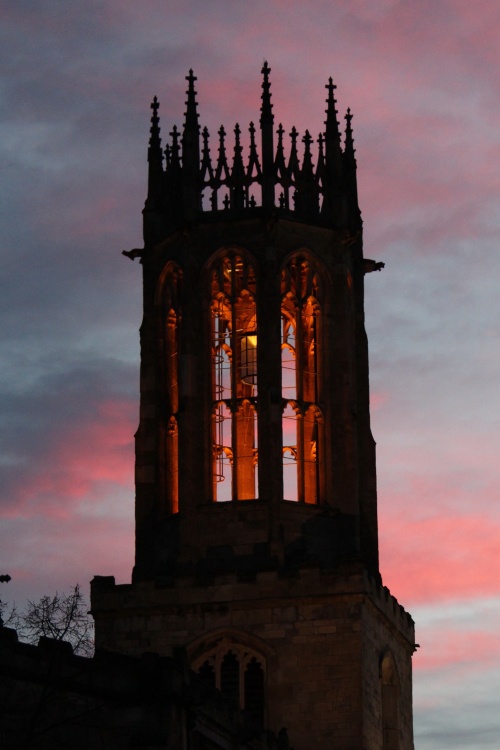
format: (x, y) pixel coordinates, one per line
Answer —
(256, 507)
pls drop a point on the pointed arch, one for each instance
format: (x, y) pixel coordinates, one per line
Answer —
(231, 279)
(235, 662)
(389, 694)
(302, 282)
(168, 297)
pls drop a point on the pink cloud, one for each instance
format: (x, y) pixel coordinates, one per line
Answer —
(87, 452)
(377, 400)
(83, 546)
(444, 647)
(442, 557)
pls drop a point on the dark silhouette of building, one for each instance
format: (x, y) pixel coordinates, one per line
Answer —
(256, 507)
(256, 618)
(51, 699)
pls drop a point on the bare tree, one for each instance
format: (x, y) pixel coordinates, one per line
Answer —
(63, 617)
(7, 619)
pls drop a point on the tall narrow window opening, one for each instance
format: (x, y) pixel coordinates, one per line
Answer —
(171, 317)
(230, 677)
(254, 690)
(234, 378)
(300, 319)
(389, 688)
(207, 673)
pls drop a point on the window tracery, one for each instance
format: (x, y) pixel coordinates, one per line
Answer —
(234, 378)
(302, 419)
(238, 672)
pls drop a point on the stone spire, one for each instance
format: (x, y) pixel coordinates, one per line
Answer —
(333, 158)
(349, 172)
(155, 156)
(191, 153)
(267, 129)
(333, 150)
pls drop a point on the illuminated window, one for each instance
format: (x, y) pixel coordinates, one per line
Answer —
(234, 379)
(171, 317)
(300, 320)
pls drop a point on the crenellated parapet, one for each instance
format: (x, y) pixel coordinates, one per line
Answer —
(192, 179)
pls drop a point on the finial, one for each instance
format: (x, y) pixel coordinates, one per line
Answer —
(332, 125)
(281, 171)
(253, 161)
(306, 199)
(154, 138)
(207, 173)
(265, 72)
(191, 103)
(320, 169)
(280, 153)
(293, 163)
(307, 140)
(222, 170)
(349, 170)
(174, 149)
(349, 140)
(267, 107)
(307, 165)
(237, 173)
(266, 126)
(238, 149)
(155, 158)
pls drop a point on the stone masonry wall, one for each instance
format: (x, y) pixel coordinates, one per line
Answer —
(322, 638)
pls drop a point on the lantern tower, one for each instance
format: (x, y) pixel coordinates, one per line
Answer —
(256, 507)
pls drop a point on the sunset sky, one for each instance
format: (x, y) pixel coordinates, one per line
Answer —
(422, 78)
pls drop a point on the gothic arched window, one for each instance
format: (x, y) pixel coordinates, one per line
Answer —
(253, 681)
(171, 322)
(300, 353)
(238, 672)
(389, 687)
(234, 378)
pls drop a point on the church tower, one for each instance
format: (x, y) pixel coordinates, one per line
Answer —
(256, 507)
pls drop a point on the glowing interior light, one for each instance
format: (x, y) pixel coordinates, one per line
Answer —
(249, 358)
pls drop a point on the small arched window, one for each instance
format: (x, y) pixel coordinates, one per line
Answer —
(389, 687)
(233, 320)
(300, 379)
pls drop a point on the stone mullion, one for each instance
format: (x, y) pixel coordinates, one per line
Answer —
(301, 361)
(244, 419)
(268, 308)
(234, 407)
